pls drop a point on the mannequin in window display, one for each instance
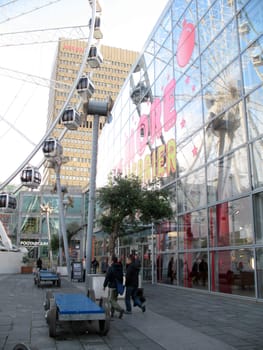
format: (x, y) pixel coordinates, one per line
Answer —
(171, 270)
(203, 269)
(240, 266)
(159, 264)
(195, 272)
(181, 270)
(104, 265)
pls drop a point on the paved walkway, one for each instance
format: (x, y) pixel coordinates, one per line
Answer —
(174, 319)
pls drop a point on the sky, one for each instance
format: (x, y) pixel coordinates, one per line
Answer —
(27, 57)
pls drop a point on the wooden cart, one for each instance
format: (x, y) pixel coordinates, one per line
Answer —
(76, 307)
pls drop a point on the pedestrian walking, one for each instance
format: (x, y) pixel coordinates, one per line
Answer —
(84, 268)
(95, 265)
(131, 284)
(104, 265)
(114, 274)
(39, 263)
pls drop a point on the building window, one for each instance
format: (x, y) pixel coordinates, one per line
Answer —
(30, 225)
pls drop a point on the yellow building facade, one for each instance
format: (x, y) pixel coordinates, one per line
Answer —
(107, 79)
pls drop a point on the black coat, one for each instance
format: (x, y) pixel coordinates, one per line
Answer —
(115, 272)
(132, 275)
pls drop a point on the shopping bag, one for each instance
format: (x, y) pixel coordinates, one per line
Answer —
(120, 288)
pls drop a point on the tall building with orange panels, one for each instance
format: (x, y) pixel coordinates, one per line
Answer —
(107, 79)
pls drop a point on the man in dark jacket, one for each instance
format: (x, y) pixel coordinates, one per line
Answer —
(95, 265)
(132, 283)
(39, 263)
(114, 273)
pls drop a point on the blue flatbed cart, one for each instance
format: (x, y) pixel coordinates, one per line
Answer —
(77, 307)
(47, 276)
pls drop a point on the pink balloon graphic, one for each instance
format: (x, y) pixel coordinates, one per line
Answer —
(186, 44)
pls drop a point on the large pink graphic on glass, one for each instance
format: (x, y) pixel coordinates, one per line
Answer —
(150, 145)
(186, 44)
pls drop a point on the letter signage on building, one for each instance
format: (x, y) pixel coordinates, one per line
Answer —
(147, 126)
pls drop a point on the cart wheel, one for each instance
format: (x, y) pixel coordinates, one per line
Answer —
(49, 295)
(52, 321)
(91, 294)
(104, 327)
(59, 282)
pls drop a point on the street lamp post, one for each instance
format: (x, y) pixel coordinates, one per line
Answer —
(47, 210)
(97, 109)
(53, 152)
(153, 253)
(57, 166)
(92, 190)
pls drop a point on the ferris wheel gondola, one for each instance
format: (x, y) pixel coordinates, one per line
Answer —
(97, 31)
(52, 148)
(140, 93)
(95, 57)
(30, 177)
(7, 201)
(71, 119)
(85, 87)
(98, 7)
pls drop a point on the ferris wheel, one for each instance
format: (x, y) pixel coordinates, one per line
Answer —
(29, 53)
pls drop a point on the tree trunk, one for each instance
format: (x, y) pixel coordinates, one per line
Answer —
(112, 240)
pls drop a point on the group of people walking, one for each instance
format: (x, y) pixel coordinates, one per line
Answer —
(114, 275)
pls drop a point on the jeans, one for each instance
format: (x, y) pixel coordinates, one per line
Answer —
(131, 293)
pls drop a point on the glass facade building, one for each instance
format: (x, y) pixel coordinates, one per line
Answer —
(33, 225)
(191, 114)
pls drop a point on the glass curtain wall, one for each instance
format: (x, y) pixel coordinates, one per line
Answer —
(190, 114)
(34, 225)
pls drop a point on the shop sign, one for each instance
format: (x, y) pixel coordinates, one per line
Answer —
(146, 153)
(26, 243)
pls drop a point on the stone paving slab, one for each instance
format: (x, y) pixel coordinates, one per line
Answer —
(175, 319)
(167, 333)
